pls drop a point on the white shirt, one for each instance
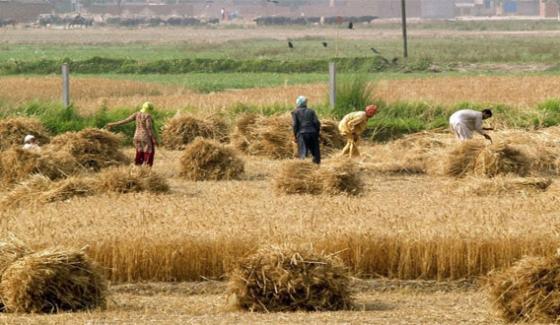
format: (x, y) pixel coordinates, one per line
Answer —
(469, 118)
(31, 146)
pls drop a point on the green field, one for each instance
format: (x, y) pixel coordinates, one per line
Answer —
(441, 50)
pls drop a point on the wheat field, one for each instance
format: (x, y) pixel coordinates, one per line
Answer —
(403, 226)
(89, 94)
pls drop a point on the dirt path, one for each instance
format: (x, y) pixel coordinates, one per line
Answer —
(378, 302)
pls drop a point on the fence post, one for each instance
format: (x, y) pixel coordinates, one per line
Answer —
(65, 86)
(332, 84)
(405, 37)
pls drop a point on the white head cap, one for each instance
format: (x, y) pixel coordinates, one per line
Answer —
(28, 138)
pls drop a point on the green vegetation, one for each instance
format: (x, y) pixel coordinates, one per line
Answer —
(273, 55)
(215, 82)
(59, 120)
(352, 93)
(392, 121)
(99, 65)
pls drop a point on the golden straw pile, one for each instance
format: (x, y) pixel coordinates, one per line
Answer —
(40, 189)
(529, 291)
(13, 130)
(181, 130)
(205, 160)
(48, 281)
(273, 137)
(68, 154)
(283, 278)
(304, 177)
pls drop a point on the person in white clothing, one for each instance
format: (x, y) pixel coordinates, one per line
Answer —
(466, 121)
(30, 143)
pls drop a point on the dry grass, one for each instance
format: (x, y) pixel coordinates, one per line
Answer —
(114, 93)
(205, 160)
(527, 291)
(378, 302)
(52, 280)
(505, 90)
(503, 186)
(283, 278)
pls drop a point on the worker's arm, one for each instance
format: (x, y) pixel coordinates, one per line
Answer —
(481, 132)
(355, 121)
(125, 121)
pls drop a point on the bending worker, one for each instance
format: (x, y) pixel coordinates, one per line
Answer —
(30, 143)
(306, 128)
(466, 121)
(144, 138)
(352, 126)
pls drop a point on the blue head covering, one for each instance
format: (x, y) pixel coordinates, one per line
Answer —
(301, 101)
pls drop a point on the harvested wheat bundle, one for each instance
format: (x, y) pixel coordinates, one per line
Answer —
(330, 136)
(205, 160)
(501, 159)
(130, 179)
(341, 177)
(53, 280)
(282, 278)
(40, 189)
(272, 137)
(11, 249)
(461, 160)
(68, 188)
(505, 185)
(298, 177)
(92, 148)
(527, 291)
(304, 177)
(26, 192)
(13, 130)
(17, 164)
(241, 137)
(407, 167)
(181, 130)
(264, 136)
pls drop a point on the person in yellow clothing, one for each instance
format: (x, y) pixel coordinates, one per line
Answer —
(144, 136)
(352, 126)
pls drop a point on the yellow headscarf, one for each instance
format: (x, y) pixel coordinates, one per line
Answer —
(147, 107)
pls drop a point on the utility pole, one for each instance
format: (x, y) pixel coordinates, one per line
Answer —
(405, 45)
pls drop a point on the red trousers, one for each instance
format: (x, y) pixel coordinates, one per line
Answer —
(144, 158)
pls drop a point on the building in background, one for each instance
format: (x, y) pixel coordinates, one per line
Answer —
(24, 11)
(549, 9)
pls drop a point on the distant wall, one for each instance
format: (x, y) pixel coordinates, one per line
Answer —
(23, 12)
(548, 9)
